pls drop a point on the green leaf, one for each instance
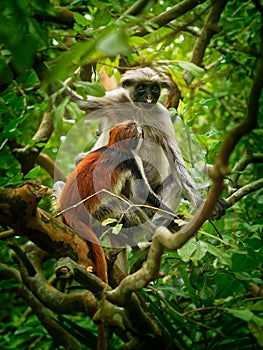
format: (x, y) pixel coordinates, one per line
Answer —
(256, 330)
(74, 111)
(116, 230)
(208, 102)
(244, 262)
(137, 41)
(16, 180)
(219, 254)
(187, 250)
(178, 79)
(33, 173)
(227, 284)
(245, 315)
(184, 275)
(196, 71)
(109, 221)
(6, 73)
(200, 252)
(257, 307)
(243, 276)
(68, 62)
(60, 111)
(81, 20)
(114, 44)
(89, 88)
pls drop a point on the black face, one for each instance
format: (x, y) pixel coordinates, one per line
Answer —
(146, 92)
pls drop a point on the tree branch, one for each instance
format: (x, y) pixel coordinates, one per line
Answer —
(48, 319)
(49, 295)
(18, 209)
(136, 8)
(27, 155)
(59, 15)
(243, 191)
(51, 167)
(170, 15)
(244, 161)
(163, 237)
(210, 28)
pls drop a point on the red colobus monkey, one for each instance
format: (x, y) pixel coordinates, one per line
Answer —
(137, 100)
(112, 169)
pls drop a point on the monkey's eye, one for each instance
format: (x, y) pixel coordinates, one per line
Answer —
(141, 89)
(155, 90)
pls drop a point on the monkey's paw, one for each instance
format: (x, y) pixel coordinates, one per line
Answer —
(219, 210)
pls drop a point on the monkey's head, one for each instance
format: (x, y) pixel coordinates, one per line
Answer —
(144, 85)
(127, 135)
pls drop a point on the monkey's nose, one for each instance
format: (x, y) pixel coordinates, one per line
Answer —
(149, 99)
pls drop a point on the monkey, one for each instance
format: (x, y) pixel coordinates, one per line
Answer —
(101, 180)
(137, 100)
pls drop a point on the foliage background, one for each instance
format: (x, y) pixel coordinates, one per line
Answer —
(205, 300)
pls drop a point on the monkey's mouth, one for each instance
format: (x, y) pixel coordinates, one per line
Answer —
(149, 103)
(146, 105)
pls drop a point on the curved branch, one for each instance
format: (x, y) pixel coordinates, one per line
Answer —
(242, 192)
(163, 237)
(53, 298)
(50, 166)
(48, 319)
(27, 155)
(244, 161)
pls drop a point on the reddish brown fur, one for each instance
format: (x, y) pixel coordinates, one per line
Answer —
(80, 185)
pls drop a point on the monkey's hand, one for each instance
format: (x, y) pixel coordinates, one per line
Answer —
(219, 209)
(57, 188)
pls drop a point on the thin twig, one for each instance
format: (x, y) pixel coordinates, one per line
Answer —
(130, 205)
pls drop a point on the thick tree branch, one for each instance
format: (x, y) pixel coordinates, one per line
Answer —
(67, 268)
(136, 8)
(60, 15)
(172, 14)
(50, 166)
(18, 209)
(53, 298)
(209, 29)
(243, 191)
(48, 319)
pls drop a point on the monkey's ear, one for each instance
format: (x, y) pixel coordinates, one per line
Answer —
(166, 85)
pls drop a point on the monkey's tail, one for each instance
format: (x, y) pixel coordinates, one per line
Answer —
(98, 256)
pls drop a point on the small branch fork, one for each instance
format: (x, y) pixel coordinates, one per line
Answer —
(129, 204)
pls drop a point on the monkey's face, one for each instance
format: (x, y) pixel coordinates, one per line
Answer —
(145, 92)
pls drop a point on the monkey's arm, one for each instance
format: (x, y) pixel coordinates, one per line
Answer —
(144, 192)
(219, 209)
(94, 103)
(181, 177)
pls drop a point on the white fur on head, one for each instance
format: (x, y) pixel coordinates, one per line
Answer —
(134, 76)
